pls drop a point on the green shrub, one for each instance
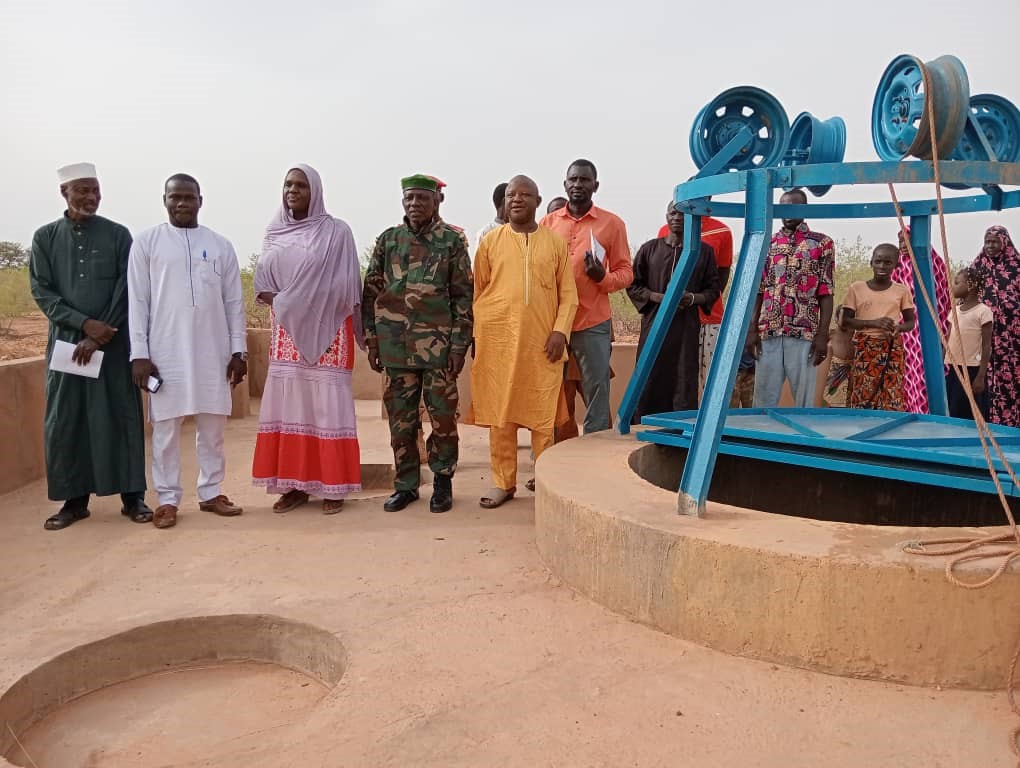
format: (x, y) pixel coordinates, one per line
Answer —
(626, 320)
(15, 297)
(257, 314)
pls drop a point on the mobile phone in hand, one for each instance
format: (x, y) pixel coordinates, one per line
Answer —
(152, 384)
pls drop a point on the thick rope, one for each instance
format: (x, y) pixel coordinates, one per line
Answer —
(22, 747)
(985, 434)
(967, 549)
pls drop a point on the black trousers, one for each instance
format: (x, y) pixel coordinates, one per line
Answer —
(127, 499)
(959, 407)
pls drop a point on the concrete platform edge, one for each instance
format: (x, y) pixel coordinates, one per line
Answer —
(828, 597)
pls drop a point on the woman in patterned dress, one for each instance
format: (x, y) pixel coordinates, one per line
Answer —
(999, 264)
(308, 273)
(915, 392)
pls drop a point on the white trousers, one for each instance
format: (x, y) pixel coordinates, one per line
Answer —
(166, 457)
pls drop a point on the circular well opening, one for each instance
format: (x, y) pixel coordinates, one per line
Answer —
(172, 692)
(805, 491)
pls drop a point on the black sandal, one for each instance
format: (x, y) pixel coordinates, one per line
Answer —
(64, 518)
(139, 513)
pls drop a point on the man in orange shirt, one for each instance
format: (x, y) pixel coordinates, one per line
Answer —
(600, 257)
(717, 235)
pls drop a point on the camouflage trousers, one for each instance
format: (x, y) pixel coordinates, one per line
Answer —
(743, 389)
(402, 397)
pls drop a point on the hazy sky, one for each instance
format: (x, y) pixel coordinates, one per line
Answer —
(471, 91)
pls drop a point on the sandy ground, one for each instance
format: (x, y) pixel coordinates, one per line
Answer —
(463, 650)
(26, 337)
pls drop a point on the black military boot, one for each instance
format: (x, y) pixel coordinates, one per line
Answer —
(399, 500)
(442, 494)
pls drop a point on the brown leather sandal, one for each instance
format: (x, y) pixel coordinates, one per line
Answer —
(332, 506)
(290, 500)
(165, 516)
(220, 505)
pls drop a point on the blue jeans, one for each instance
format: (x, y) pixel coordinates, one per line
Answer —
(592, 347)
(784, 358)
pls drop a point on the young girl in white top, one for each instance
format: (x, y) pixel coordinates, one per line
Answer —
(970, 344)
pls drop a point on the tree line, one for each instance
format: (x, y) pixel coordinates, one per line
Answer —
(852, 259)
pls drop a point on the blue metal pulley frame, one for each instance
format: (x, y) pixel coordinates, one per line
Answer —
(899, 115)
(816, 141)
(737, 141)
(730, 112)
(709, 433)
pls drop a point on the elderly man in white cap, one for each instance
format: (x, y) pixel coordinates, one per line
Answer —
(93, 431)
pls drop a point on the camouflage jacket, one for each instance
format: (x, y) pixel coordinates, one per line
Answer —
(460, 231)
(418, 293)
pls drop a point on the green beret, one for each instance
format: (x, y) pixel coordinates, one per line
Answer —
(419, 181)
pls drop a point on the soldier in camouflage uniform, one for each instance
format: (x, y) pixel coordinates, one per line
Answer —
(422, 411)
(417, 317)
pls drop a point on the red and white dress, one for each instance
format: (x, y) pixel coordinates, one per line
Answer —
(308, 437)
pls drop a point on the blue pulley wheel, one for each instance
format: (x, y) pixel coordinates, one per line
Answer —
(721, 119)
(899, 116)
(999, 120)
(816, 141)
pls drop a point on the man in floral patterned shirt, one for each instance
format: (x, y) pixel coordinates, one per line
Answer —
(793, 311)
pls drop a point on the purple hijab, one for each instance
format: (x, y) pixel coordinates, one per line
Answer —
(312, 267)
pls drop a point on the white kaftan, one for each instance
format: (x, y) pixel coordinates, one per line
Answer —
(186, 314)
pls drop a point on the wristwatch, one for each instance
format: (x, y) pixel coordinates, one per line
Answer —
(242, 356)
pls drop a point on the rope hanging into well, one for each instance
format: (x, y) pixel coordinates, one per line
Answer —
(967, 549)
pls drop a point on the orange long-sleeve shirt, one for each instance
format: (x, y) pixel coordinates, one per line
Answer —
(611, 232)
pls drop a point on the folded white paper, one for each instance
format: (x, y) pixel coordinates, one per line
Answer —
(61, 361)
(597, 251)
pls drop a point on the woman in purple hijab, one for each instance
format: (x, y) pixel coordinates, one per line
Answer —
(308, 273)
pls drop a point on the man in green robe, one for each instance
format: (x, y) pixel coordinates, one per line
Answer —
(95, 440)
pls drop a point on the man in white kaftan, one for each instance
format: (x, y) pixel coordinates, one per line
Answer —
(187, 324)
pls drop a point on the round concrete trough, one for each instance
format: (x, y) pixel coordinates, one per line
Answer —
(152, 649)
(833, 597)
